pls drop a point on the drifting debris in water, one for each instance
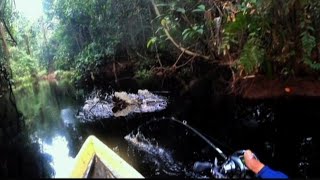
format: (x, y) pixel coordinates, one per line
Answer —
(99, 106)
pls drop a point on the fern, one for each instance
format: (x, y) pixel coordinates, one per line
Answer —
(313, 65)
(308, 44)
(252, 55)
(231, 32)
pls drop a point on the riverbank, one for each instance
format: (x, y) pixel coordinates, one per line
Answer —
(260, 87)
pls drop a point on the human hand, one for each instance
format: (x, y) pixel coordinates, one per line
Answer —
(252, 162)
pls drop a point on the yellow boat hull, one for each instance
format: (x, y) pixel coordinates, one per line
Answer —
(114, 164)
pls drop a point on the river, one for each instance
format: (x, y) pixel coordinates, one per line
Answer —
(282, 132)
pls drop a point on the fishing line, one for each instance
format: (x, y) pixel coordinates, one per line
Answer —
(195, 131)
(201, 136)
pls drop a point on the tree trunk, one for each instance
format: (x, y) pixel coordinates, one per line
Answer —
(26, 38)
(50, 61)
(3, 40)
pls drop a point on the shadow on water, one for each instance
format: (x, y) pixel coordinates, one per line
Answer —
(282, 131)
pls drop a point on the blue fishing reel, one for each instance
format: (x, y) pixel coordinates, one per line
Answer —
(233, 167)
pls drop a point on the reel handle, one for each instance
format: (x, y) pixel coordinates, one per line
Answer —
(236, 164)
(240, 155)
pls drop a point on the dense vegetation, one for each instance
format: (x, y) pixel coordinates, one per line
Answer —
(165, 38)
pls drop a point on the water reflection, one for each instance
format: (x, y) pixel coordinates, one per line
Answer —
(67, 116)
(61, 161)
(50, 113)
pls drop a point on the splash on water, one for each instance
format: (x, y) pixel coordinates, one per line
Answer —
(160, 157)
(102, 106)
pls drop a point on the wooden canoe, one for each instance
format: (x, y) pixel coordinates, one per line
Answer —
(97, 160)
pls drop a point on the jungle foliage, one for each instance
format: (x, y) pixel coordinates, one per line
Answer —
(251, 37)
(86, 35)
(274, 38)
(160, 37)
(278, 38)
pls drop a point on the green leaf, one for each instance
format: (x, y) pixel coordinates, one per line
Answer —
(181, 10)
(200, 31)
(186, 35)
(310, 28)
(151, 42)
(163, 22)
(163, 5)
(185, 31)
(200, 8)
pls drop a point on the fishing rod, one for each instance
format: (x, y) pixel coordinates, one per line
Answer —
(232, 167)
(201, 136)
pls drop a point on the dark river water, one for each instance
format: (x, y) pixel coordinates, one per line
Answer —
(282, 132)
